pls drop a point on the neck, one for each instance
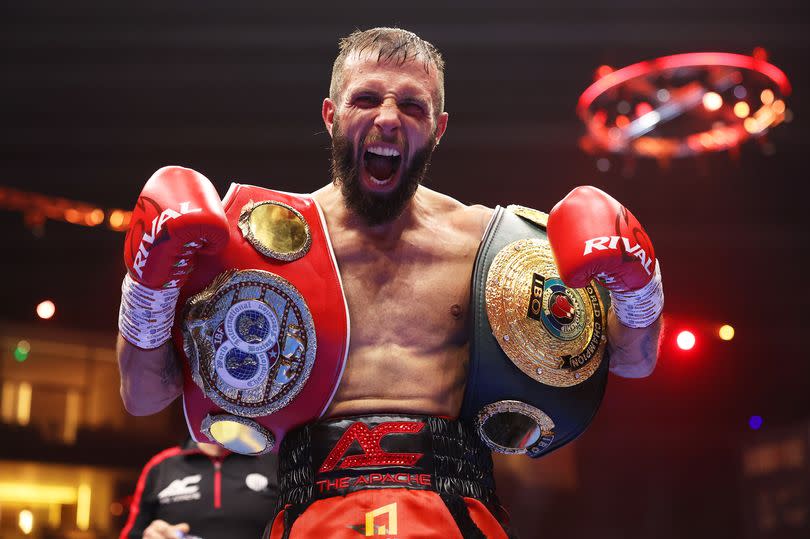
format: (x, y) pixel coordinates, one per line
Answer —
(331, 201)
(212, 450)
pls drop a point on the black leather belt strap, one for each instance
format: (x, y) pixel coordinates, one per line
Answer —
(343, 455)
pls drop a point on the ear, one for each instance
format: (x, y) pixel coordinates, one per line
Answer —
(441, 125)
(328, 114)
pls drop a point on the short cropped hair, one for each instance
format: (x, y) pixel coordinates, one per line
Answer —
(390, 45)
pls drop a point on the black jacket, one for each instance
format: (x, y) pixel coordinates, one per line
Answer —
(233, 496)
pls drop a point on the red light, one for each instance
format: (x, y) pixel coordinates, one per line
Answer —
(603, 71)
(685, 340)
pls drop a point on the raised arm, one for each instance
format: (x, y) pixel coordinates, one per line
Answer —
(594, 237)
(633, 352)
(150, 379)
(178, 214)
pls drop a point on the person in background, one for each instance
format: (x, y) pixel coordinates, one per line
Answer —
(203, 491)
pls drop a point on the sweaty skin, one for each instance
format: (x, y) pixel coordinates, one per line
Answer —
(407, 281)
(408, 290)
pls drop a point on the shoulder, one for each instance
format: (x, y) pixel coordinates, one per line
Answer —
(470, 219)
(164, 457)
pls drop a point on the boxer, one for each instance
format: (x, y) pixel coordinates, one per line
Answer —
(388, 455)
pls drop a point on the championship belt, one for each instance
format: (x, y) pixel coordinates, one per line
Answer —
(537, 352)
(263, 325)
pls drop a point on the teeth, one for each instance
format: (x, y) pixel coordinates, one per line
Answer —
(385, 152)
(379, 182)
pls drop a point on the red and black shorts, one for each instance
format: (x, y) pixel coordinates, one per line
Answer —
(395, 476)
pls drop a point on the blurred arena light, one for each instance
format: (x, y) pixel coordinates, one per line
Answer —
(755, 422)
(685, 340)
(38, 208)
(25, 521)
(726, 332)
(712, 101)
(83, 496)
(116, 509)
(46, 309)
(683, 105)
(742, 109)
(22, 350)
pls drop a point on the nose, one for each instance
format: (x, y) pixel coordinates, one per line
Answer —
(387, 120)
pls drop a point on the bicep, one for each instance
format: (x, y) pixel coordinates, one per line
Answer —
(633, 351)
(150, 379)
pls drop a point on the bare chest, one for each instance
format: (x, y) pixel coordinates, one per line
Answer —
(409, 325)
(416, 297)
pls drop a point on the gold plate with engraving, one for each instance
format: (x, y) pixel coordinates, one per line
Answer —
(276, 230)
(554, 334)
(535, 216)
(238, 434)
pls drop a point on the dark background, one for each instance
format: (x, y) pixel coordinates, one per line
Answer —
(97, 95)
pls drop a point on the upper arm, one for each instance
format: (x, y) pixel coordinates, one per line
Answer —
(633, 351)
(476, 219)
(150, 379)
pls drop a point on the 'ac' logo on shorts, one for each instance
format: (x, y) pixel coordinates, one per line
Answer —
(369, 441)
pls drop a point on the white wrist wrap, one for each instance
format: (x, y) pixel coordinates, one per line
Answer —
(146, 315)
(640, 308)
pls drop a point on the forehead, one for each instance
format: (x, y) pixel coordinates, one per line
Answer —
(365, 70)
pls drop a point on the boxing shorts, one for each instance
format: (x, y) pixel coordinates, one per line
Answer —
(402, 476)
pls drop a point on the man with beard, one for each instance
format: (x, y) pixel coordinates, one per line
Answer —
(405, 255)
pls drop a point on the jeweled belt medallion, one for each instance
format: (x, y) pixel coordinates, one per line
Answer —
(552, 333)
(250, 340)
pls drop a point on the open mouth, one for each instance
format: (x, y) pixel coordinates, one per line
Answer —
(381, 163)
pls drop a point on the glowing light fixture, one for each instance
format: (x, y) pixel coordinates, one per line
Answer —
(741, 109)
(25, 493)
(686, 340)
(726, 332)
(712, 101)
(95, 217)
(603, 71)
(766, 96)
(603, 164)
(712, 81)
(22, 350)
(83, 507)
(26, 521)
(116, 218)
(24, 391)
(46, 309)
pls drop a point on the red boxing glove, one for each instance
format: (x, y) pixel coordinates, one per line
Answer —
(178, 214)
(592, 236)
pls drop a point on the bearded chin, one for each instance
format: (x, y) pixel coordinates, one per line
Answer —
(375, 208)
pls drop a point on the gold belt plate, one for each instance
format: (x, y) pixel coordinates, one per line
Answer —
(554, 334)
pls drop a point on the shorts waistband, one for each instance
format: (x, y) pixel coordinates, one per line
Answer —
(338, 456)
